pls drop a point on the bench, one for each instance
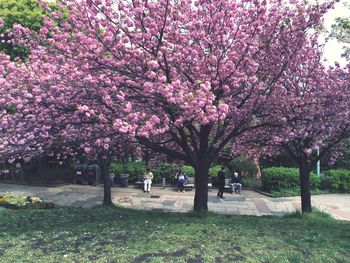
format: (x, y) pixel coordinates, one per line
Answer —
(139, 183)
(189, 185)
(228, 185)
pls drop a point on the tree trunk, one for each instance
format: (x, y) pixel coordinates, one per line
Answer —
(202, 169)
(12, 173)
(201, 184)
(40, 168)
(107, 184)
(305, 188)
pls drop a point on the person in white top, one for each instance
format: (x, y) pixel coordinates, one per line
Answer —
(148, 177)
(180, 181)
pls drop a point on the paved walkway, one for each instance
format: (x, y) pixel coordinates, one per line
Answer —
(168, 200)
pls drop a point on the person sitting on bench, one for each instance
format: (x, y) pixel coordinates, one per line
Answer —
(180, 181)
(236, 182)
(148, 177)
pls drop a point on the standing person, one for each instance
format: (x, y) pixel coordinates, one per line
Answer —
(235, 182)
(221, 182)
(148, 176)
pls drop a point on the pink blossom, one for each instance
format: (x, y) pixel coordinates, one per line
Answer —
(308, 151)
(87, 150)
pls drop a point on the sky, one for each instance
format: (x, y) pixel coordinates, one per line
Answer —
(333, 48)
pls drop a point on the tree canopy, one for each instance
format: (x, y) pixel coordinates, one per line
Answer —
(188, 79)
(341, 30)
(28, 13)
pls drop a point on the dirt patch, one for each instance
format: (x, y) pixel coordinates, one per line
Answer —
(87, 238)
(145, 257)
(124, 200)
(240, 258)
(198, 259)
(104, 243)
(115, 238)
(100, 251)
(236, 257)
(93, 258)
(38, 243)
(76, 251)
(235, 247)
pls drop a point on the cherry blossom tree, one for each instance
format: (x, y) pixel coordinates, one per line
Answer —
(316, 120)
(185, 78)
(33, 124)
(312, 116)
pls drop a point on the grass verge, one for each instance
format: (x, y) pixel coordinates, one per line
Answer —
(110, 234)
(296, 192)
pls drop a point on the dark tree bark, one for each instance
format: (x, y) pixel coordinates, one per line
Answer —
(107, 184)
(304, 173)
(202, 170)
(40, 168)
(201, 183)
(197, 156)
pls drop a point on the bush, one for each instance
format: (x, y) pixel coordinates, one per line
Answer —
(166, 170)
(344, 160)
(117, 168)
(244, 165)
(137, 169)
(134, 169)
(282, 178)
(251, 182)
(189, 170)
(336, 180)
(213, 173)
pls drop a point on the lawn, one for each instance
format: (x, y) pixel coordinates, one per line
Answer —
(110, 234)
(296, 192)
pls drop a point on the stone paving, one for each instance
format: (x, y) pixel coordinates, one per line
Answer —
(168, 200)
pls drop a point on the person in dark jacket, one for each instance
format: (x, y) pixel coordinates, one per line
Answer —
(221, 182)
(235, 182)
(180, 181)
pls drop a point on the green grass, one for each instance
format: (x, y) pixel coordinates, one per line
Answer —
(110, 234)
(296, 192)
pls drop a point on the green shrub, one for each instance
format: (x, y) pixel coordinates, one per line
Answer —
(189, 170)
(344, 160)
(166, 170)
(336, 180)
(135, 170)
(251, 182)
(282, 178)
(244, 165)
(117, 168)
(213, 173)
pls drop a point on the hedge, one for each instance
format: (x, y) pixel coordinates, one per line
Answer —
(137, 169)
(134, 169)
(336, 180)
(167, 170)
(282, 178)
(189, 170)
(244, 165)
